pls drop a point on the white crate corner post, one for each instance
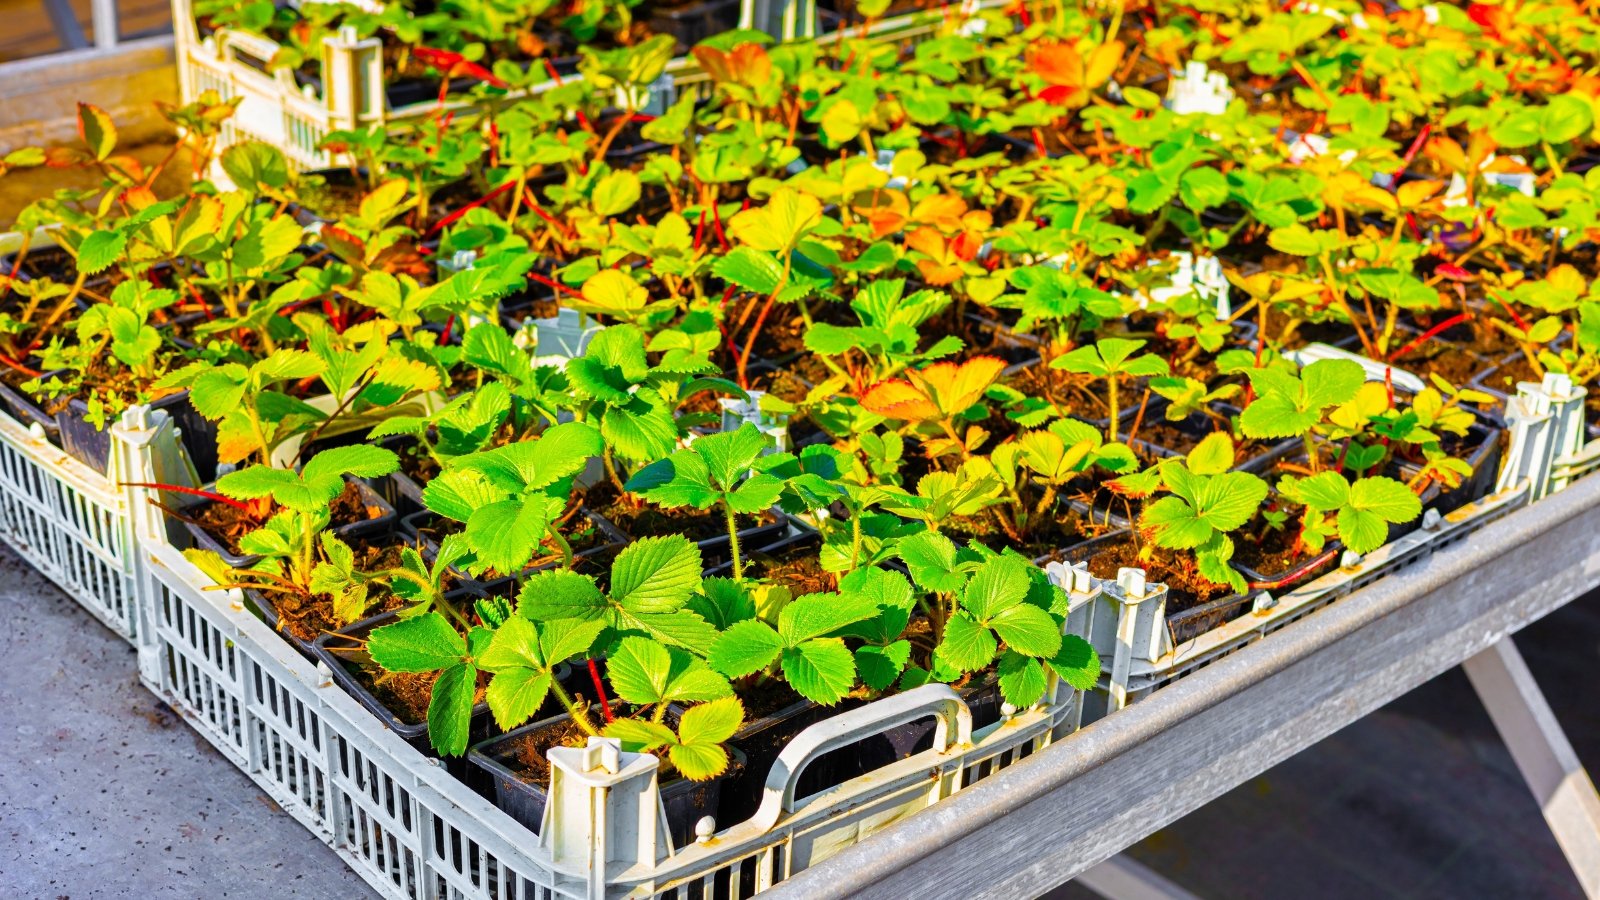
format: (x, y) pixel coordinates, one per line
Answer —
(564, 336)
(737, 412)
(1130, 624)
(352, 75)
(1201, 276)
(1199, 90)
(1547, 428)
(785, 20)
(1083, 592)
(604, 815)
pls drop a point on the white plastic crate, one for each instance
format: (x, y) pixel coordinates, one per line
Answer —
(412, 831)
(276, 110)
(1545, 427)
(1127, 678)
(70, 522)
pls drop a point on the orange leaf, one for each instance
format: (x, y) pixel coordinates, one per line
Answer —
(1058, 63)
(900, 400)
(943, 211)
(957, 387)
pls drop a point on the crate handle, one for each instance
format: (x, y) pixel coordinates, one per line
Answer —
(954, 729)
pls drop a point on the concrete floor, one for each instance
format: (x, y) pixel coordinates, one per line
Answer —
(105, 793)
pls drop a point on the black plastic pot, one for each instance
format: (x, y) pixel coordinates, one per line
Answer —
(1255, 577)
(1199, 425)
(983, 700)
(760, 742)
(337, 650)
(416, 529)
(761, 537)
(686, 801)
(28, 413)
(695, 22)
(1488, 446)
(92, 446)
(1183, 625)
(379, 525)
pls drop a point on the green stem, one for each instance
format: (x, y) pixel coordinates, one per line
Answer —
(566, 548)
(578, 715)
(1311, 452)
(733, 540)
(855, 541)
(1111, 395)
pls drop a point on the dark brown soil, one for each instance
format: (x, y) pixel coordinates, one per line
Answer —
(419, 465)
(640, 518)
(764, 699)
(1186, 588)
(1452, 363)
(1504, 378)
(227, 524)
(796, 567)
(1071, 392)
(308, 618)
(406, 694)
(1047, 534)
(1269, 551)
(525, 755)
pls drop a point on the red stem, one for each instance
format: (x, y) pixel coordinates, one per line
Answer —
(1411, 153)
(445, 222)
(1430, 334)
(600, 690)
(1511, 312)
(1296, 573)
(552, 283)
(196, 492)
(8, 361)
(716, 220)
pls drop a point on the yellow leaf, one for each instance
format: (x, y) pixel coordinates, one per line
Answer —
(779, 225)
(613, 293)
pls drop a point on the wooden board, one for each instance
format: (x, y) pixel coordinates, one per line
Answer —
(28, 33)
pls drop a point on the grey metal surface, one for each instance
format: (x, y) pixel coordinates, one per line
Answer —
(104, 792)
(1032, 827)
(1544, 755)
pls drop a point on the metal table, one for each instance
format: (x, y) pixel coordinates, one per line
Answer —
(1129, 775)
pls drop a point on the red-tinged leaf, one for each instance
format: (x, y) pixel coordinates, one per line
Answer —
(96, 129)
(139, 198)
(1454, 272)
(128, 167)
(438, 59)
(1058, 63)
(344, 245)
(451, 64)
(1061, 95)
(64, 157)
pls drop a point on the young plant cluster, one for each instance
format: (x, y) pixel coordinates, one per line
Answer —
(661, 424)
